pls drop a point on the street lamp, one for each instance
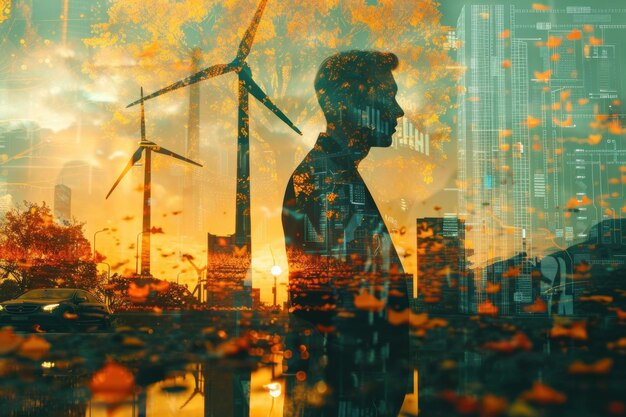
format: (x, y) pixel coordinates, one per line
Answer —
(108, 275)
(178, 275)
(276, 271)
(94, 240)
(137, 252)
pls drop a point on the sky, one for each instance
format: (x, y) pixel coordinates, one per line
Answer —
(69, 68)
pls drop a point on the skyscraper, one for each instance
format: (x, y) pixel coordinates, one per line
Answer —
(539, 121)
(441, 264)
(62, 203)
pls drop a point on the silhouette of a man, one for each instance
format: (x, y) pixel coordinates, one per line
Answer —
(345, 276)
(330, 219)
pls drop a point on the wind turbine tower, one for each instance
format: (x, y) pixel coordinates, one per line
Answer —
(148, 147)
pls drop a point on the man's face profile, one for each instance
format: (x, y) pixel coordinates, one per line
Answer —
(357, 92)
(383, 100)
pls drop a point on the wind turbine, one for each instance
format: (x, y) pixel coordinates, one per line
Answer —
(148, 147)
(247, 85)
(199, 271)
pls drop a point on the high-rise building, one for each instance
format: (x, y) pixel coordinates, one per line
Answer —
(538, 128)
(441, 264)
(62, 203)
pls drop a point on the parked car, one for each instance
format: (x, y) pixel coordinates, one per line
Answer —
(56, 309)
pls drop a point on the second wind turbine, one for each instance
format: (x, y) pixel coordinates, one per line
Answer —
(247, 85)
(148, 147)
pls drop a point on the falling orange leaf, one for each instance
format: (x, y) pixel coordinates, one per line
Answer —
(543, 76)
(588, 28)
(533, 122)
(594, 139)
(505, 147)
(602, 299)
(541, 7)
(519, 341)
(601, 367)
(555, 57)
(512, 272)
(506, 63)
(505, 133)
(577, 331)
(487, 308)
(563, 123)
(615, 127)
(574, 202)
(34, 347)
(595, 41)
(543, 394)
(575, 35)
(397, 318)
(539, 306)
(112, 384)
(9, 341)
(565, 95)
(505, 34)
(556, 106)
(493, 406)
(368, 302)
(554, 41)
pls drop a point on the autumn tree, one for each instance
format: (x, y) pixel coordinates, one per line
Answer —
(37, 252)
(146, 293)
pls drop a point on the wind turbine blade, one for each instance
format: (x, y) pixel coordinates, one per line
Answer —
(205, 74)
(193, 394)
(248, 37)
(133, 159)
(175, 155)
(143, 119)
(260, 95)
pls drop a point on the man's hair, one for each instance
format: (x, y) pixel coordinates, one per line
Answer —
(347, 77)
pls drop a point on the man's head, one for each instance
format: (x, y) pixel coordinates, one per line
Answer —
(357, 93)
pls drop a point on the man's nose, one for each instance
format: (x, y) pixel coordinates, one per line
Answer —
(399, 110)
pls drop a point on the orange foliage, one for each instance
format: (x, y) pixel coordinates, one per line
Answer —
(34, 347)
(563, 123)
(594, 139)
(112, 384)
(505, 34)
(487, 308)
(543, 76)
(533, 122)
(575, 35)
(519, 341)
(554, 41)
(368, 302)
(615, 127)
(595, 41)
(541, 7)
(601, 367)
(9, 341)
(603, 299)
(543, 394)
(506, 63)
(512, 272)
(539, 306)
(577, 331)
(573, 202)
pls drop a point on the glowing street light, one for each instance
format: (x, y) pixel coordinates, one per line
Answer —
(276, 271)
